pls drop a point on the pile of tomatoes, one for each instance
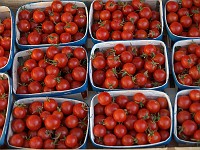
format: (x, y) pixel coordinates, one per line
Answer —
(58, 23)
(49, 125)
(188, 116)
(129, 67)
(5, 41)
(125, 20)
(187, 64)
(127, 121)
(184, 18)
(4, 89)
(53, 70)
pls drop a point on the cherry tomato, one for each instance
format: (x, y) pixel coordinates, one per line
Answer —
(140, 125)
(33, 122)
(52, 122)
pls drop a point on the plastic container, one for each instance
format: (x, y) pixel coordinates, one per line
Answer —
(42, 99)
(105, 45)
(5, 12)
(148, 93)
(172, 36)
(152, 3)
(182, 43)
(25, 54)
(8, 111)
(178, 140)
(41, 5)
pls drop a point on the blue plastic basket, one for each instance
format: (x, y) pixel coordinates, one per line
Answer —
(178, 140)
(53, 93)
(42, 5)
(8, 111)
(42, 99)
(148, 93)
(4, 13)
(106, 45)
(150, 2)
(172, 36)
(182, 43)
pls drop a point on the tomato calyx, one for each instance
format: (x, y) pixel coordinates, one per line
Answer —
(155, 118)
(82, 122)
(180, 130)
(114, 70)
(51, 37)
(22, 84)
(133, 49)
(195, 11)
(156, 84)
(146, 116)
(144, 55)
(198, 68)
(49, 132)
(111, 52)
(4, 96)
(74, 6)
(3, 77)
(146, 73)
(112, 4)
(59, 109)
(153, 62)
(150, 132)
(85, 107)
(20, 105)
(151, 34)
(195, 140)
(197, 83)
(39, 109)
(51, 13)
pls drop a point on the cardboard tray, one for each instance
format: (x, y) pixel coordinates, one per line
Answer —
(182, 43)
(147, 93)
(105, 45)
(8, 111)
(4, 13)
(41, 5)
(178, 140)
(172, 36)
(42, 99)
(25, 54)
(152, 3)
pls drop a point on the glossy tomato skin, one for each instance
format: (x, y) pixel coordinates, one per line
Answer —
(102, 34)
(176, 28)
(172, 6)
(16, 140)
(189, 127)
(33, 122)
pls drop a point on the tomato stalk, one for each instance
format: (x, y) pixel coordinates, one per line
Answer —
(74, 6)
(85, 107)
(38, 110)
(133, 49)
(146, 116)
(22, 84)
(197, 82)
(20, 105)
(155, 84)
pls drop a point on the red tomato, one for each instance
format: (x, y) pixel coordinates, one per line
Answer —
(140, 125)
(172, 6)
(38, 16)
(176, 28)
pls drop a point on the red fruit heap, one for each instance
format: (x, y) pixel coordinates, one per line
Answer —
(54, 24)
(49, 125)
(127, 121)
(129, 67)
(124, 20)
